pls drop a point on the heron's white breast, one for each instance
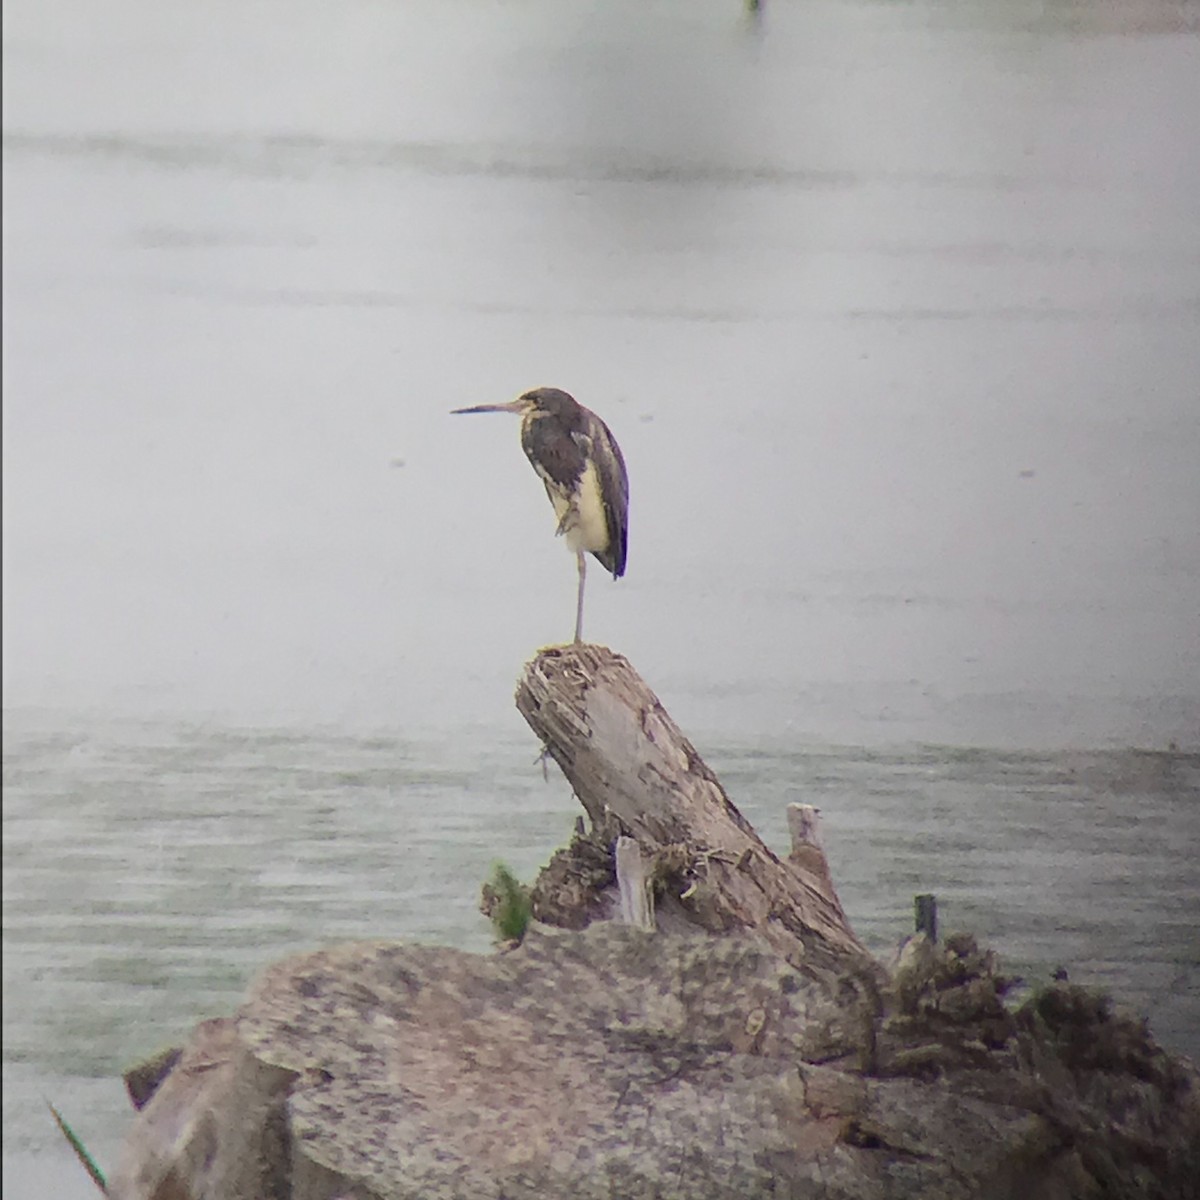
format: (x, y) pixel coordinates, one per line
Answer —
(586, 526)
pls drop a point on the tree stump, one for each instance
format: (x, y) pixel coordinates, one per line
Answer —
(628, 762)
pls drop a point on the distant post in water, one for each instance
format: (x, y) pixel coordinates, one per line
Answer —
(925, 910)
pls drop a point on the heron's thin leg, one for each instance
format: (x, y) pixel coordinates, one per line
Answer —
(579, 604)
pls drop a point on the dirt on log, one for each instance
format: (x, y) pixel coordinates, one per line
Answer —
(748, 1047)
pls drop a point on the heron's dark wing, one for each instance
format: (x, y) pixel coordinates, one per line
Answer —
(556, 456)
(614, 491)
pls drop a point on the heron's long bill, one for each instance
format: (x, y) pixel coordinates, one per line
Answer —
(513, 406)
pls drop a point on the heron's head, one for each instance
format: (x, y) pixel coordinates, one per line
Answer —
(548, 401)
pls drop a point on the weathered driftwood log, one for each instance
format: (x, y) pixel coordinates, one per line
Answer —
(627, 760)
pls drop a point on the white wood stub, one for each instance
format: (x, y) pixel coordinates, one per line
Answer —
(633, 884)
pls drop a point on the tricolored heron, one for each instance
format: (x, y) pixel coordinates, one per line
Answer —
(581, 465)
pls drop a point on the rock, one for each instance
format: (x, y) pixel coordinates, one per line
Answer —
(141, 1081)
(616, 1063)
(214, 1126)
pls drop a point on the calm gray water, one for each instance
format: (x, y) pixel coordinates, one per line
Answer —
(895, 310)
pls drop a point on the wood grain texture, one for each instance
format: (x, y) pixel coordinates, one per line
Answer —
(634, 884)
(624, 756)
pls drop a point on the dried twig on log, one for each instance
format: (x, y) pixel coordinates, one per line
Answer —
(626, 759)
